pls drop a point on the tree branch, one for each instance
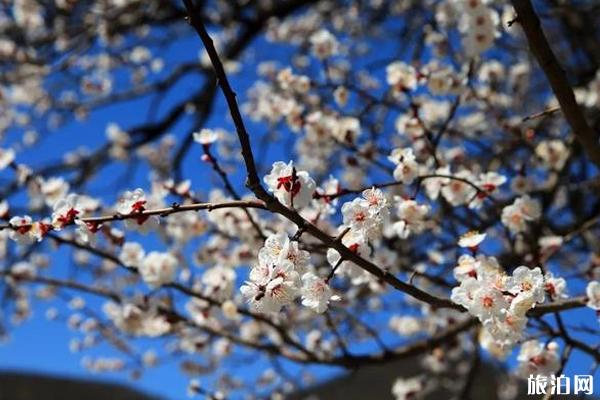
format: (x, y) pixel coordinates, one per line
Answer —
(540, 48)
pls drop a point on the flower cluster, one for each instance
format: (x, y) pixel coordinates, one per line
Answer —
(366, 216)
(282, 274)
(499, 301)
(136, 320)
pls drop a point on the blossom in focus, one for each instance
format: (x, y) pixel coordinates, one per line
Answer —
(316, 293)
(279, 247)
(355, 242)
(271, 287)
(21, 230)
(66, 211)
(528, 286)
(290, 187)
(134, 203)
(368, 214)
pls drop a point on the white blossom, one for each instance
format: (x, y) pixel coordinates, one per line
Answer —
(411, 217)
(593, 295)
(407, 168)
(7, 156)
(401, 76)
(290, 187)
(271, 286)
(324, 44)
(535, 358)
(523, 210)
(134, 203)
(316, 293)
(218, 282)
(132, 254)
(471, 239)
(408, 388)
(158, 268)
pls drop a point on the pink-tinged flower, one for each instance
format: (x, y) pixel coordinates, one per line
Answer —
(471, 240)
(457, 191)
(488, 303)
(528, 287)
(523, 210)
(279, 247)
(134, 204)
(535, 358)
(465, 293)
(271, 287)
(488, 183)
(555, 287)
(86, 231)
(21, 230)
(376, 201)
(355, 242)
(466, 268)
(66, 211)
(290, 187)
(316, 293)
